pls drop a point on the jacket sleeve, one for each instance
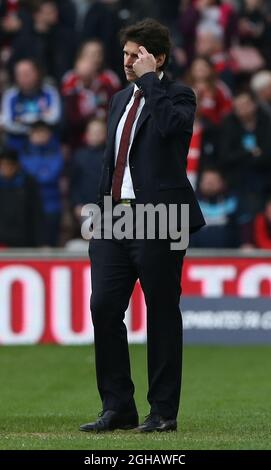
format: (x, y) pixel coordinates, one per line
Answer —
(8, 118)
(100, 194)
(170, 114)
(52, 114)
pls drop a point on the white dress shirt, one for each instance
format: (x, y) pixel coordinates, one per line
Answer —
(127, 190)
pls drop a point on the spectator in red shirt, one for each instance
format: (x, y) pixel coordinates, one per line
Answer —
(262, 227)
(214, 97)
(207, 14)
(210, 43)
(217, 12)
(204, 146)
(87, 90)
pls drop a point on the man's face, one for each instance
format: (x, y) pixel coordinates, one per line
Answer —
(8, 169)
(244, 107)
(130, 52)
(211, 183)
(96, 134)
(206, 43)
(40, 136)
(265, 93)
(130, 55)
(27, 76)
(94, 53)
(49, 13)
(268, 212)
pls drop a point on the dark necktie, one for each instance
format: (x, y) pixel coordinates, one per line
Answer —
(124, 147)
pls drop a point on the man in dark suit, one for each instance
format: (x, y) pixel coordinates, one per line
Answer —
(149, 130)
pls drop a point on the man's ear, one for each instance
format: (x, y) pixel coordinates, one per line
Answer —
(160, 59)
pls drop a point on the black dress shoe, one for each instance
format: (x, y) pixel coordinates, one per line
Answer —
(155, 422)
(110, 420)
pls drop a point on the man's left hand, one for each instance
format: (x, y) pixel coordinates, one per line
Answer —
(145, 63)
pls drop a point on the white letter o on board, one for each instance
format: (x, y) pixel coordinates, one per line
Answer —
(32, 305)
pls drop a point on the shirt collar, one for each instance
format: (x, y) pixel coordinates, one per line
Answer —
(160, 78)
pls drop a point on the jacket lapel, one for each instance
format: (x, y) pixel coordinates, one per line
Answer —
(116, 116)
(145, 111)
(142, 118)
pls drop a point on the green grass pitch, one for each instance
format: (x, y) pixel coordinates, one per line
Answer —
(46, 392)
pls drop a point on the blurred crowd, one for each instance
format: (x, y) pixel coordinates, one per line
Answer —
(60, 64)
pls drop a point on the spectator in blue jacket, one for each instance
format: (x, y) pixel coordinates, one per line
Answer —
(42, 158)
(227, 223)
(29, 101)
(20, 205)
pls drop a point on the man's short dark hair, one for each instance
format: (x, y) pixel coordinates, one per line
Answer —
(151, 34)
(33, 61)
(9, 154)
(93, 40)
(40, 125)
(39, 3)
(246, 91)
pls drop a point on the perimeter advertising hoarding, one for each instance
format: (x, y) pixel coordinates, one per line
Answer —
(225, 300)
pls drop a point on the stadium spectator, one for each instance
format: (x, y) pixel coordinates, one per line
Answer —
(87, 165)
(103, 22)
(262, 227)
(48, 41)
(261, 86)
(86, 170)
(214, 101)
(4, 80)
(227, 226)
(29, 101)
(214, 97)
(218, 18)
(213, 13)
(246, 150)
(15, 21)
(42, 159)
(20, 205)
(204, 146)
(252, 24)
(87, 90)
(210, 43)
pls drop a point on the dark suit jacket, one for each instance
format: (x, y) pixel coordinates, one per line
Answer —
(159, 150)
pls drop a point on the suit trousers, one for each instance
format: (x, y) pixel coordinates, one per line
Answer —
(115, 267)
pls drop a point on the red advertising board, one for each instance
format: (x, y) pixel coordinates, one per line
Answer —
(47, 301)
